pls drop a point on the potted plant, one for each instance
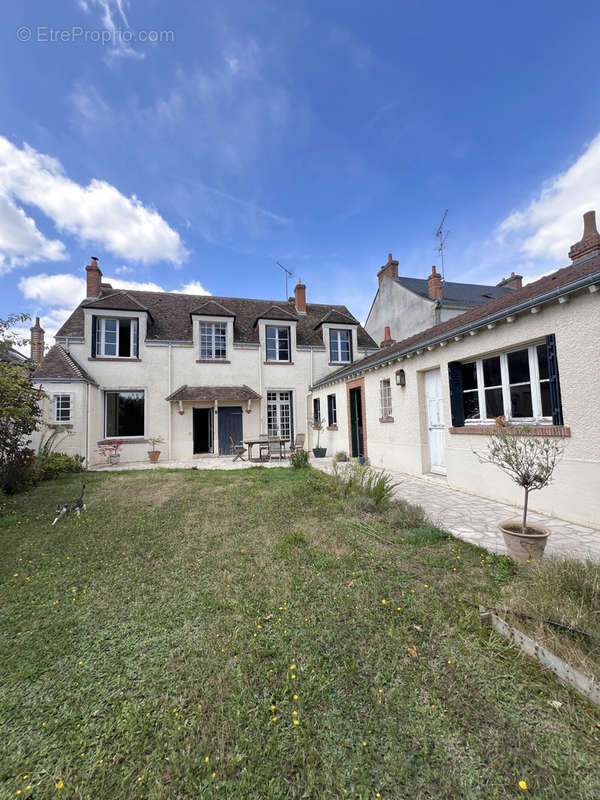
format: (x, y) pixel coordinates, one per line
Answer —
(530, 461)
(317, 425)
(154, 454)
(110, 450)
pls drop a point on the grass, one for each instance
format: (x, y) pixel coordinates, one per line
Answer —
(164, 644)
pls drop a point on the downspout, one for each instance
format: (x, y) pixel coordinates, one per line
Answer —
(170, 425)
(87, 424)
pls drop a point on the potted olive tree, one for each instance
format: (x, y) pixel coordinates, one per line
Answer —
(154, 454)
(317, 425)
(530, 461)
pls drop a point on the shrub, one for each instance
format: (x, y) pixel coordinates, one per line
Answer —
(56, 464)
(364, 481)
(18, 473)
(404, 516)
(299, 459)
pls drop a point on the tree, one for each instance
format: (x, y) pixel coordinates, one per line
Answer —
(526, 458)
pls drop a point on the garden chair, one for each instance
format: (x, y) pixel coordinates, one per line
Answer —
(263, 448)
(275, 448)
(238, 449)
(299, 443)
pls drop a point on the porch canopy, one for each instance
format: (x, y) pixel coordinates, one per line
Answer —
(211, 394)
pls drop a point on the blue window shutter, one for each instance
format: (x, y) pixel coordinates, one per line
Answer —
(456, 394)
(94, 335)
(555, 398)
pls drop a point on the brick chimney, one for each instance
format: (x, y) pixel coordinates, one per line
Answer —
(37, 342)
(514, 282)
(434, 283)
(94, 278)
(389, 270)
(300, 297)
(387, 338)
(590, 241)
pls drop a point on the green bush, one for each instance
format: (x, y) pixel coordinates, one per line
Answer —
(364, 481)
(19, 473)
(404, 516)
(53, 465)
(299, 459)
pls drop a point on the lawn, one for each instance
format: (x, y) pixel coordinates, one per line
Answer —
(245, 635)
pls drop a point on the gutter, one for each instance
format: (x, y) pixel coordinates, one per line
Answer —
(569, 288)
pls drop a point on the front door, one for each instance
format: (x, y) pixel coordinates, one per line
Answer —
(435, 422)
(203, 430)
(230, 425)
(356, 423)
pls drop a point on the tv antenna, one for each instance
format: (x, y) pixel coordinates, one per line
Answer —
(288, 274)
(442, 235)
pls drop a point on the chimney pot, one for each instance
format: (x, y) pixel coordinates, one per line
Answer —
(93, 278)
(389, 270)
(300, 297)
(434, 284)
(514, 282)
(387, 338)
(590, 241)
(37, 342)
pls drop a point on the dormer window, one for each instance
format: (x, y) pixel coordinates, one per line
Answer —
(213, 341)
(278, 343)
(116, 337)
(340, 346)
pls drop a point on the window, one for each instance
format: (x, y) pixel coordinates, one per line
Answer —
(316, 409)
(279, 414)
(515, 385)
(62, 408)
(124, 414)
(331, 410)
(116, 338)
(340, 345)
(385, 398)
(278, 343)
(213, 341)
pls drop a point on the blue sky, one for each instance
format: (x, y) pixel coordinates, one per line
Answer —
(320, 135)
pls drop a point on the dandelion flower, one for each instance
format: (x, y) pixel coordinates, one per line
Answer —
(206, 760)
(59, 785)
(214, 775)
(273, 708)
(296, 722)
(523, 785)
(292, 666)
(295, 697)
(383, 602)
(293, 677)
(274, 719)
(295, 713)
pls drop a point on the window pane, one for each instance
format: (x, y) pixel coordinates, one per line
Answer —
(518, 366)
(112, 405)
(124, 413)
(469, 376)
(110, 337)
(542, 355)
(471, 405)
(546, 402)
(493, 402)
(220, 341)
(491, 372)
(333, 343)
(284, 344)
(271, 344)
(520, 401)
(124, 338)
(316, 408)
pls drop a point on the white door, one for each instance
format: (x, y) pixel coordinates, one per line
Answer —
(435, 422)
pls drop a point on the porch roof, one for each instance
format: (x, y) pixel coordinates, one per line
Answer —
(196, 394)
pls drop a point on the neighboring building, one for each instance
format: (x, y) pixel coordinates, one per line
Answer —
(423, 405)
(193, 370)
(410, 305)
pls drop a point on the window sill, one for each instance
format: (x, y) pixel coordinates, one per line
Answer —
(535, 430)
(54, 425)
(123, 440)
(279, 363)
(386, 419)
(212, 361)
(339, 363)
(332, 427)
(113, 358)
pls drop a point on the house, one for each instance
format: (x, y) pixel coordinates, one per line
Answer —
(193, 370)
(424, 405)
(409, 305)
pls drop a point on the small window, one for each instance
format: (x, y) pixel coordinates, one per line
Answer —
(331, 410)
(385, 397)
(124, 414)
(278, 343)
(116, 338)
(316, 409)
(213, 341)
(340, 346)
(62, 408)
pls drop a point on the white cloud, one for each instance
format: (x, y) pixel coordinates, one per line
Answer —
(553, 221)
(87, 101)
(20, 240)
(114, 20)
(140, 286)
(123, 270)
(53, 290)
(96, 213)
(193, 287)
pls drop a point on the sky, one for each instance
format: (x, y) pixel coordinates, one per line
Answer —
(191, 146)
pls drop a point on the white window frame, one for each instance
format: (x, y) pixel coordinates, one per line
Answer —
(55, 404)
(213, 338)
(289, 336)
(336, 333)
(332, 407)
(385, 398)
(101, 337)
(280, 399)
(534, 381)
(123, 391)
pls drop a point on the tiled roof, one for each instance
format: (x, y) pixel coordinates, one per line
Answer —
(116, 300)
(57, 364)
(465, 294)
(501, 306)
(212, 309)
(278, 313)
(336, 317)
(170, 316)
(197, 394)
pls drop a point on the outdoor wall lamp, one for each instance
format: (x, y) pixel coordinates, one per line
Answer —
(400, 378)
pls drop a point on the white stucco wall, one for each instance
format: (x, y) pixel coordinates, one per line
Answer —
(403, 444)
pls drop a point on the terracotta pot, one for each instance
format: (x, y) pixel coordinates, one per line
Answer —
(153, 455)
(524, 547)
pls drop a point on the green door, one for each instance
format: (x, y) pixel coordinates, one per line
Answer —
(356, 423)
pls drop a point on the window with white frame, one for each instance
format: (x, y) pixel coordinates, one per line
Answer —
(124, 414)
(340, 345)
(279, 415)
(278, 343)
(62, 408)
(116, 337)
(213, 341)
(385, 398)
(331, 410)
(515, 385)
